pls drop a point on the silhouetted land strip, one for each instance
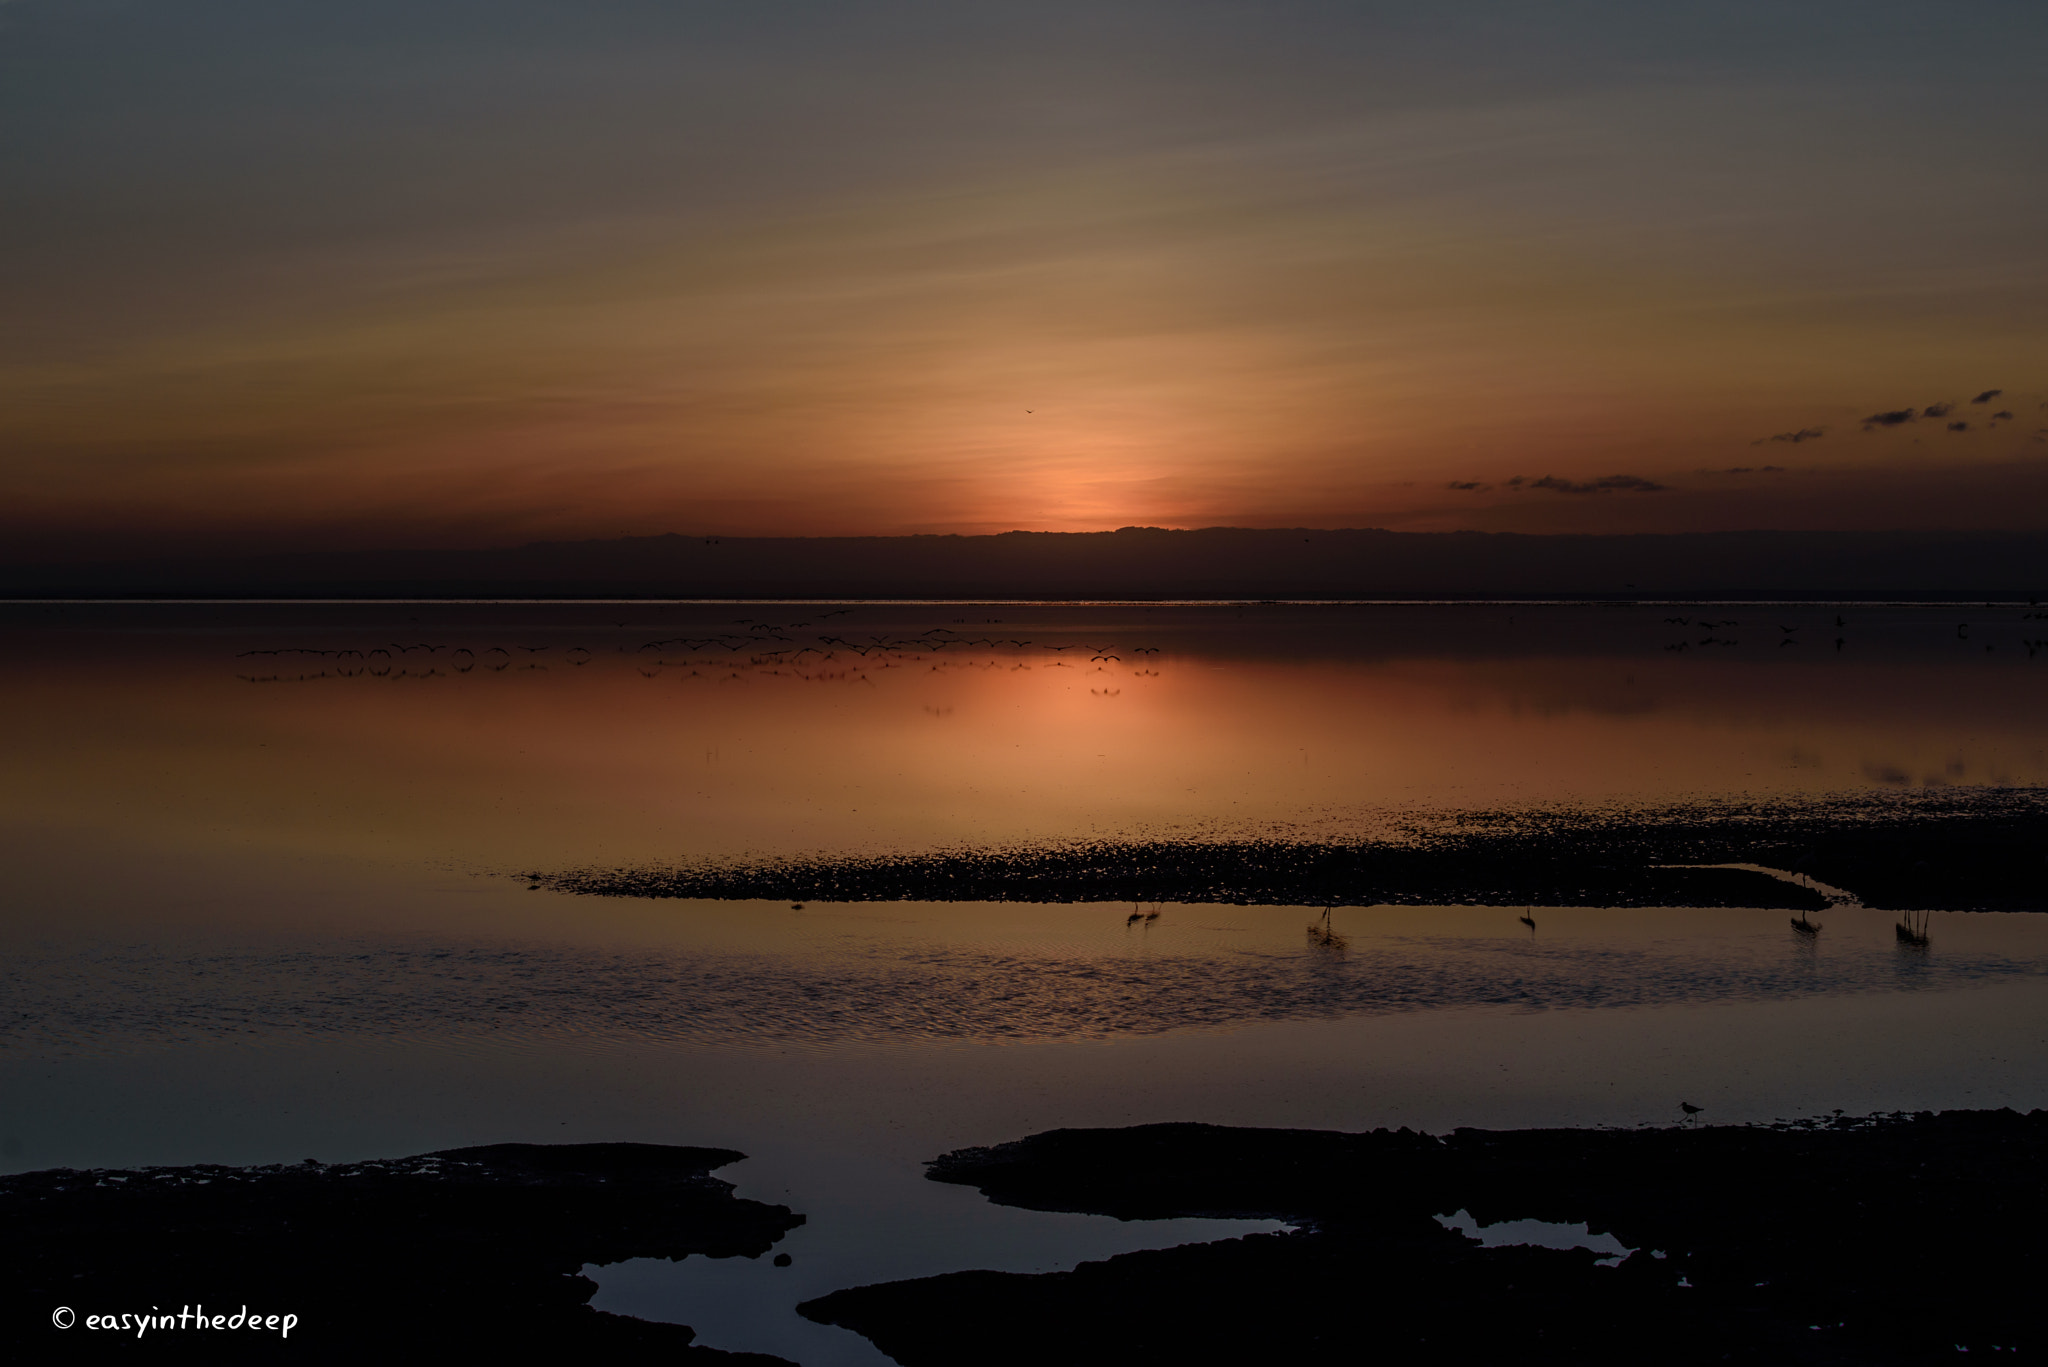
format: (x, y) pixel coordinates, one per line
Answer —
(1130, 563)
(466, 1253)
(1889, 1240)
(1953, 850)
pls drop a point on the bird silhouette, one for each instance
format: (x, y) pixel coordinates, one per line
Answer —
(1691, 1111)
(1528, 921)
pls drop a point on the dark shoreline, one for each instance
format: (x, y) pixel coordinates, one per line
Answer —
(1131, 563)
(1898, 1239)
(1951, 850)
(1886, 1239)
(464, 1252)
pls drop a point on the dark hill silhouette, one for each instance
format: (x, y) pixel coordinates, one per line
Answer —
(1133, 562)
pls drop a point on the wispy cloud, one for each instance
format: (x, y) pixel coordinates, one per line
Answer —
(1748, 470)
(1794, 438)
(1606, 484)
(1893, 417)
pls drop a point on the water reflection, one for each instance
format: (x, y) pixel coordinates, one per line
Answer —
(912, 976)
(561, 735)
(257, 908)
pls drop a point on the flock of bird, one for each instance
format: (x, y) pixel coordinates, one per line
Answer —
(759, 646)
(1791, 635)
(393, 660)
(763, 648)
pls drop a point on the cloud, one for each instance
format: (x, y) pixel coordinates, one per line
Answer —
(1606, 484)
(2002, 415)
(1748, 470)
(1987, 396)
(1467, 484)
(1794, 438)
(1959, 427)
(1893, 418)
(1937, 410)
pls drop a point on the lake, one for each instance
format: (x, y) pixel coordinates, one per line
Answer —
(267, 892)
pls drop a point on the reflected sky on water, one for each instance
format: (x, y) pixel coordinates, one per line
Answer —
(528, 736)
(259, 903)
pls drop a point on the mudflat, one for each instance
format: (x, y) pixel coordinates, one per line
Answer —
(1978, 850)
(1890, 1239)
(464, 1252)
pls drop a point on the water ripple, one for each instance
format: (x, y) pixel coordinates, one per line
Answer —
(896, 993)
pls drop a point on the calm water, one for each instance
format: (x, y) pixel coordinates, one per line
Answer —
(259, 903)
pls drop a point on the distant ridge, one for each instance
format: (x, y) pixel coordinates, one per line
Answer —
(1130, 563)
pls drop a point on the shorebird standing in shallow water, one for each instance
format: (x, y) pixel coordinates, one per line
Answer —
(1691, 1112)
(1529, 920)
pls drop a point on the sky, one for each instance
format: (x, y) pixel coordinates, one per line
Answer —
(280, 275)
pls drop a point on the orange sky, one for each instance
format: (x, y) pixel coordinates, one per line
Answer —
(389, 279)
